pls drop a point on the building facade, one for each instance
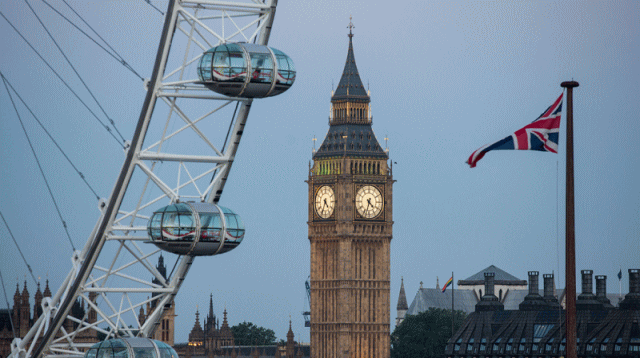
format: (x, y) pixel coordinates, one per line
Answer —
(510, 291)
(537, 328)
(17, 321)
(165, 329)
(350, 229)
(213, 339)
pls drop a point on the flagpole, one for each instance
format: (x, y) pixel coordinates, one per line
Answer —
(619, 285)
(452, 291)
(570, 264)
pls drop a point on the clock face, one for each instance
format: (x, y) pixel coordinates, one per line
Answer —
(369, 202)
(325, 201)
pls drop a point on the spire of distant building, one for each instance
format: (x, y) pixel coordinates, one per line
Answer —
(47, 291)
(350, 86)
(402, 298)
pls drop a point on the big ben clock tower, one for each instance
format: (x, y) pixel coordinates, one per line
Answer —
(350, 229)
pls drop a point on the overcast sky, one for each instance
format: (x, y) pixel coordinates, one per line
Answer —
(446, 77)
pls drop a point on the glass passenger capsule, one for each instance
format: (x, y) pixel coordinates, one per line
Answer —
(131, 348)
(246, 70)
(197, 229)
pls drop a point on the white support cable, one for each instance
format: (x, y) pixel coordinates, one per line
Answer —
(222, 16)
(229, 5)
(164, 195)
(200, 96)
(178, 180)
(167, 157)
(154, 178)
(202, 47)
(193, 126)
(191, 179)
(195, 19)
(138, 216)
(124, 276)
(181, 67)
(142, 259)
(129, 238)
(128, 228)
(222, 8)
(157, 144)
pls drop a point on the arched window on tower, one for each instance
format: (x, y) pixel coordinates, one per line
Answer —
(500, 295)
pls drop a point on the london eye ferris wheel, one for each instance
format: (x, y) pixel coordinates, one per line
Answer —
(211, 52)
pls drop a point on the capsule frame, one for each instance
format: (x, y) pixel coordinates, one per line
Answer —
(224, 69)
(131, 347)
(196, 229)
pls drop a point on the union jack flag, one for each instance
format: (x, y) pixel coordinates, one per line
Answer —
(541, 134)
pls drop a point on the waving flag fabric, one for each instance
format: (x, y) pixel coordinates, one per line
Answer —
(541, 135)
(447, 284)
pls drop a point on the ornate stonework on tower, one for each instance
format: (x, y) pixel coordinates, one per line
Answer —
(350, 229)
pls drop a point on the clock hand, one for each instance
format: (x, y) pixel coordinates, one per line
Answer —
(325, 202)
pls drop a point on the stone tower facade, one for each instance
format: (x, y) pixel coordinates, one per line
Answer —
(350, 229)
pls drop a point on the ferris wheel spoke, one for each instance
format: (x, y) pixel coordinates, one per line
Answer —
(193, 126)
(188, 17)
(191, 180)
(202, 47)
(110, 275)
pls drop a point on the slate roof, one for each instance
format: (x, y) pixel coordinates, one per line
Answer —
(514, 298)
(464, 300)
(501, 277)
(600, 333)
(350, 86)
(360, 142)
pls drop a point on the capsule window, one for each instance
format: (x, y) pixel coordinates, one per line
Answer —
(204, 71)
(286, 69)
(170, 223)
(186, 224)
(261, 67)
(155, 229)
(140, 352)
(210, 227)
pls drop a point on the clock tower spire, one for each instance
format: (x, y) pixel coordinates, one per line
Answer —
(350, 229)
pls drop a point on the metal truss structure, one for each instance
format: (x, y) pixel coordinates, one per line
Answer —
(183, 150)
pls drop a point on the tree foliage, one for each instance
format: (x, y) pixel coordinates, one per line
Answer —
(248, 334)
(424, 335)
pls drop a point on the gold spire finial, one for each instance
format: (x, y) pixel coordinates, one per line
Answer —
(350, 27)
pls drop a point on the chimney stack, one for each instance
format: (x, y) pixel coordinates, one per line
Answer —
(634, 281)
(489, 283)
(549, 288)
(533, 283)
(587, 282)
(533, 301)
(587, 300)
(489, 302)
(632, 299)
(601, 291)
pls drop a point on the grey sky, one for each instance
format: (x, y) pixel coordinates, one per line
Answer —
(445, 78)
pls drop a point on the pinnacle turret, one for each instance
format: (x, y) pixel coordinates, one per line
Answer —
(47, 291)
(402, 298)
